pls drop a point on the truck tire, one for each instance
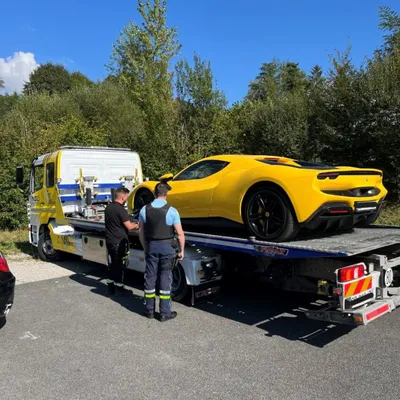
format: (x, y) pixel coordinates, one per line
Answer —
(45, 248)
(179, 285)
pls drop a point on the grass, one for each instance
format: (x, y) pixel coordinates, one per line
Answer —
(390, 215)
(14, 242)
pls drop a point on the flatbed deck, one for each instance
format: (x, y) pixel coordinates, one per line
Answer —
(347, 244)
(358, 241)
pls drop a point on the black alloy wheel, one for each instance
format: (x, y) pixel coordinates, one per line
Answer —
(142, 198)
(268, 215)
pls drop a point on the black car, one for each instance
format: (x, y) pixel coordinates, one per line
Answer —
(7, 285)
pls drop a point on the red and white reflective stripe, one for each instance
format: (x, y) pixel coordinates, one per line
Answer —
(376, 313)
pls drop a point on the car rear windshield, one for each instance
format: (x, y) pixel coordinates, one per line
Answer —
(302, 164)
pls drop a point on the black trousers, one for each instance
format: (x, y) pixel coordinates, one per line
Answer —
(118, 254)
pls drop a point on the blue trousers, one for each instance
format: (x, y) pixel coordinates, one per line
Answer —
(159, 264)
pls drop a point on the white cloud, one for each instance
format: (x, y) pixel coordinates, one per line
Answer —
(15, 71)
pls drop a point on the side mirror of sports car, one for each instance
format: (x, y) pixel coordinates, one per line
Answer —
(166, 177)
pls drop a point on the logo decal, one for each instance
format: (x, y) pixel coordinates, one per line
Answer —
(272, 250)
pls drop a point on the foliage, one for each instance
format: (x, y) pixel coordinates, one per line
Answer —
(48, 78)
(390, 22)
(200, 111)
(1, 83)
(7, 102)
(79, 80)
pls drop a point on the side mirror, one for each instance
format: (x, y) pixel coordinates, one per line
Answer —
(19, 176)
(166, 177)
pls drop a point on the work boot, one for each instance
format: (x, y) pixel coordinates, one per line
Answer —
(149, 314)
(110, 289)
(164, 318)
(121, 291)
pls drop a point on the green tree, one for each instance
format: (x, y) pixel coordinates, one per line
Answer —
(1, 83)
(142, 54)
(7, 102)
(276, 78)
(200, 108)
(80, 80)
(48, 78)
(266, 82)
(141, 61)
(390, 22)
(317, 89)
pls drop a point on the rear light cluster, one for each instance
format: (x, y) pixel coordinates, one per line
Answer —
(329, 175)
(351, 273)
(357, 192)
(3, 265)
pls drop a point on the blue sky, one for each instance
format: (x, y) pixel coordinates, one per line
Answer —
(235, 36)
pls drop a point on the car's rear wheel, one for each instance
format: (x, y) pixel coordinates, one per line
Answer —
(142, 198)
(268, 215)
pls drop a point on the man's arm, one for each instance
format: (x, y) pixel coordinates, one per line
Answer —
(181, 241)
(142, 221)
(176, 222)
(125, 220)
(141, 235)
(131, 225)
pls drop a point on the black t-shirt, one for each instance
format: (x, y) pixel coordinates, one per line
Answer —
(115, 216)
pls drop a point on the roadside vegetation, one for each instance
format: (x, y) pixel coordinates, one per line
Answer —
(172, 112)
(15, 242)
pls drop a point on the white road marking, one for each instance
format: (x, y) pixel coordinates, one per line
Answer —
(28, 335)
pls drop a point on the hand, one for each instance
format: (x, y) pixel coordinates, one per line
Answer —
(134, 226)
(181, 255)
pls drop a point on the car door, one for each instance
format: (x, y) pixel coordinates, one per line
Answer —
(37, 199)
(192, 189)
(51, 191)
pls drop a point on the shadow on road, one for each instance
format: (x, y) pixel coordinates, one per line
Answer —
(130, 301)
(248, 301)
(3, 322)
(278, 313)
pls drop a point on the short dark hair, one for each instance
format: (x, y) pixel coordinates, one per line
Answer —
(121, 190)
(162, 189)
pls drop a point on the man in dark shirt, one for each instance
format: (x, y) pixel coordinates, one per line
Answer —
(117, 240)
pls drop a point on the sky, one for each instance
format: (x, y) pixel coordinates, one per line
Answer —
(235, 36)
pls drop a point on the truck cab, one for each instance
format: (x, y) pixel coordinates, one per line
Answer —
(75, 182)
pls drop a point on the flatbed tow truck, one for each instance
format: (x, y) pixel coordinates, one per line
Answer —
(358, 271)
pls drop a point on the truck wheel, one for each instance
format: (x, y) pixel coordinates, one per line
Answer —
(179, 285)
(46, 250)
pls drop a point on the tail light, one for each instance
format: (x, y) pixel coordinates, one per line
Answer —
(329, 175)
(351, 273)
(339, 211)
(3, 265)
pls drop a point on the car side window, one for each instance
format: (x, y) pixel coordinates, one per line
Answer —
(200, 170)
(50, 175)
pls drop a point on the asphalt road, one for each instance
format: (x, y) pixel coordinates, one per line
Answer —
(65, 340)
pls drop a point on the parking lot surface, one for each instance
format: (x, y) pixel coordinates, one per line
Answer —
(65, 340)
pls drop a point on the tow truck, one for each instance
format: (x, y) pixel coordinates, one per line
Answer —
(358, 272)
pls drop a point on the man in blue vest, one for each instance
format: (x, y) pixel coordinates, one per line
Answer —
(158, 223)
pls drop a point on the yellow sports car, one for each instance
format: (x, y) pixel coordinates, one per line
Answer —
(273, 197)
